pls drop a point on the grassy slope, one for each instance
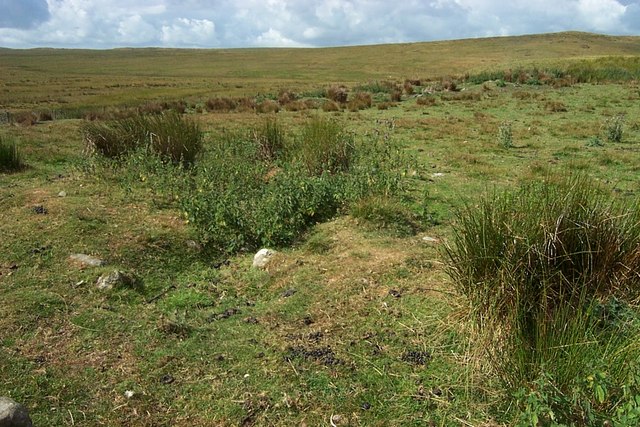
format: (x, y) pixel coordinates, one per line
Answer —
(69, 352)
(49, 78)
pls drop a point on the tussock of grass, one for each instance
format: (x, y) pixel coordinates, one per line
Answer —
(169, 135)
(534, 266)
(10, 157)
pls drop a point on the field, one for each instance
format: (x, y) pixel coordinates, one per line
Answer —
(356, 320)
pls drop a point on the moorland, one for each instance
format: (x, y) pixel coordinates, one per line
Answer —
(456, 228)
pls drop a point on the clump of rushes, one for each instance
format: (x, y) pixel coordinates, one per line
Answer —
(169, 135)
(323, 147)
(613, 128)
(534, 266)
(10, 157)
(270, 138)
(505, 135)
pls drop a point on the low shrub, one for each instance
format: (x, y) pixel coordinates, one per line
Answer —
(246, 104)
(338, 94)
(286, 96)
(298, 105)
(267, 106)
(25, 118)
(222, 104)
(359, 101)
(450, 85)
(385, 105)
(329, 106)
(425, 100)
(239, 201)
(10, 157)
(408, 87)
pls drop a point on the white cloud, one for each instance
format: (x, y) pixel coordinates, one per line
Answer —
(189, 32)
(231, 23)
(274, 38)
(602, 15)
(135, 30)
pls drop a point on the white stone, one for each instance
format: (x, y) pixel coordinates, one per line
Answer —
(86, 260)
(13, 414)
(115, 279)
(262, 258)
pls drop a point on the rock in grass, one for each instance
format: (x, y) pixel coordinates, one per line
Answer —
(13, 414)
(262, 257)
(86, 260)
(115, 279)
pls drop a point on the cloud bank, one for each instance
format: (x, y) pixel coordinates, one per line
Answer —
(297, 23)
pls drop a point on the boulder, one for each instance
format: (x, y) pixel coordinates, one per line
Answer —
(262, 258)
(13, 414)
(115, 279)
(84, 260)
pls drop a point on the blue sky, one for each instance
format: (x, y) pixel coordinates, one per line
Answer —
(313, 23)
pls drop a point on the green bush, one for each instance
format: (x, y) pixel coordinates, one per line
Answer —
(241, 201)
(169, 135)
(10, 157)
(534, 266)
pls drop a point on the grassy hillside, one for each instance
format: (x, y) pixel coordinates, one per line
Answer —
(56, 78)
(356, 321)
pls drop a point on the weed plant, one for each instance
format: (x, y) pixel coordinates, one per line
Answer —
(10, 157)
(505, 135)
(534, 266)
(613, 128)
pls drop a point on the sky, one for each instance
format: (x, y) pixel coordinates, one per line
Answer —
(101, 24)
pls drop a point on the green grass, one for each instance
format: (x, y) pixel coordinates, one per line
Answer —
(357, 318)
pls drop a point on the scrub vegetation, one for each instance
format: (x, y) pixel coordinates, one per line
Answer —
(456, 227)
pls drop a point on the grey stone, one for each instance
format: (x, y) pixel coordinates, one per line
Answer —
(429, 239)
(86, 260)
(193, 245)
(115, 279)
(13, 414)
(262, 258)
(62, 194)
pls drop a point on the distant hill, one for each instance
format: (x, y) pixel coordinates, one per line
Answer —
(194, 72)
